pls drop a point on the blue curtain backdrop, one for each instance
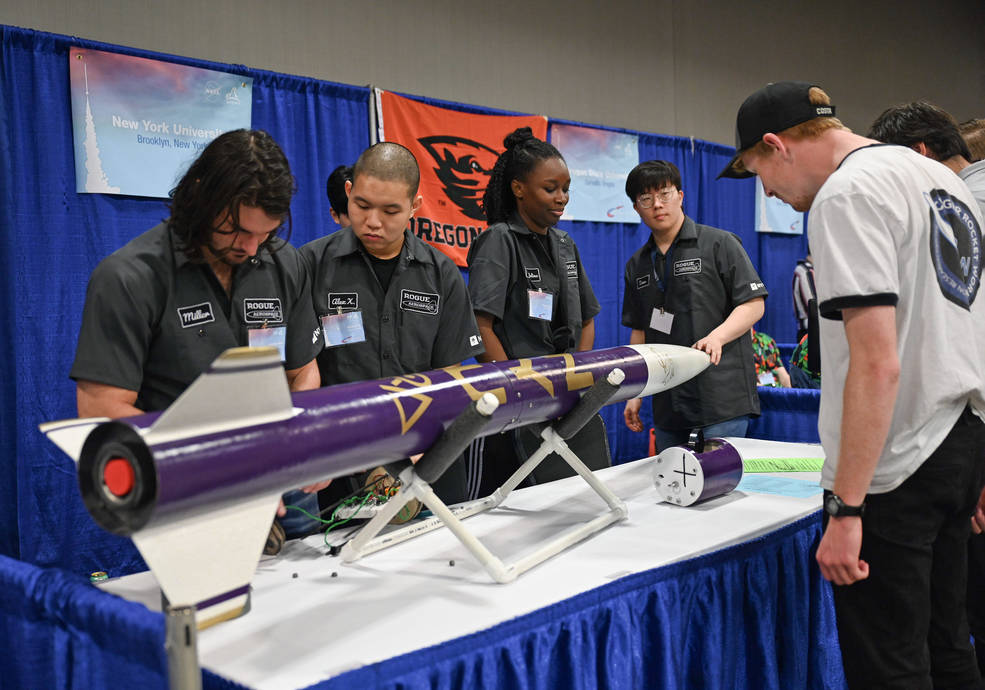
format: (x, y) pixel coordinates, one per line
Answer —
(51, 238)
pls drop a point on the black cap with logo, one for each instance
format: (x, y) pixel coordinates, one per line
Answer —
(774, 108)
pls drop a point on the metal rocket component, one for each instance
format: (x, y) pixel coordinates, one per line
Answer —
(221, 455)
(687, 475)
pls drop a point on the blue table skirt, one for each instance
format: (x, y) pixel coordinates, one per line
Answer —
(756, 615)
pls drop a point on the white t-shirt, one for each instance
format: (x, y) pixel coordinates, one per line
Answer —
(890, 226)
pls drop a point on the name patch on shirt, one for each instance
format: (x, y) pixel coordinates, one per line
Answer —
(196, 314)
(687, 266)
(533, 274)
(345, 301)
(421, 302)
(642, 282)
(262, 310)
(571, 268)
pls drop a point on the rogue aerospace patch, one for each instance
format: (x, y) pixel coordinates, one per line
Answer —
(955, 247)
(642, 281)
(533, 274)
(196, 314)
(687, 266)
(421, 302)
(262, 310)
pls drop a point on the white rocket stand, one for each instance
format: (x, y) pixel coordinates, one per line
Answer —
(414, 485)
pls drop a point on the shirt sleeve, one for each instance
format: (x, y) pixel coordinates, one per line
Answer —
(859, 267)
(590, 306)
(633, 309)
(458, 335)
(304, 340)
(490, 265)
(741, 279)
(118, 322)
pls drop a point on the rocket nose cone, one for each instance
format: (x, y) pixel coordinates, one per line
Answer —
(670, 365)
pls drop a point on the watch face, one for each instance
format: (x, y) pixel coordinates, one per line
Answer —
(832, 504)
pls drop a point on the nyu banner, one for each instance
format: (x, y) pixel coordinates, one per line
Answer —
(456, 152)
(773, 215)
(599, 161)
(139, 123)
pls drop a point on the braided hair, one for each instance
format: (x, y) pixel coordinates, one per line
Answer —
(523, 152)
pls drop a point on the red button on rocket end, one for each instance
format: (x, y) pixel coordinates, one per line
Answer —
(118, 476)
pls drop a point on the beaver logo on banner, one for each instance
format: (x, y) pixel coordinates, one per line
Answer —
(456, 152)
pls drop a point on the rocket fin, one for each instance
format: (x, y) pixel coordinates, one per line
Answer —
(207, 558)
(245, 386)
(70, 434)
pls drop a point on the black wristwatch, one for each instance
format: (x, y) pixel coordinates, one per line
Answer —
(835, 507)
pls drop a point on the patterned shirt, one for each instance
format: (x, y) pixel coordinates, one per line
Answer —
(766, 355)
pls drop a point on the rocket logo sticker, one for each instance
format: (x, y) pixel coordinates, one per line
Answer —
(402, 384)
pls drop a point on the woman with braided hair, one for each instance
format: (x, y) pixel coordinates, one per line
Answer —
(528, 286)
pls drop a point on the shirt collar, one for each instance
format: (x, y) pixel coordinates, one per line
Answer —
(687, 232)
(413, 248)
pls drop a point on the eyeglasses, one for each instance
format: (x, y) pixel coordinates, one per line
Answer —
(665, 197)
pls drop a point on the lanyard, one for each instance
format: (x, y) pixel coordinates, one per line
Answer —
(667, 262)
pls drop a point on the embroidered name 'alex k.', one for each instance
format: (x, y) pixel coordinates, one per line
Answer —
(345, 301)
(196, 314)
(262, 310)
(421, 302)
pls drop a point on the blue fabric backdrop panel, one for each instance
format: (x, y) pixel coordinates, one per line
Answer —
(50, 240)
(789, 414)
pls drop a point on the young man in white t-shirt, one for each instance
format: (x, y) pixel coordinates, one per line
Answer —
(897, 245)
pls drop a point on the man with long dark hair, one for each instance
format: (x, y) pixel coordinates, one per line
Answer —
(214, 275)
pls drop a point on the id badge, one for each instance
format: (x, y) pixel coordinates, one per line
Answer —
(343, 329)
(541, 305)
(767, 378)
(270, 337)
(661, 320)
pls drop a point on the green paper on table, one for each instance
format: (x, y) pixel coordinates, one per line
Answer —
(782, 464)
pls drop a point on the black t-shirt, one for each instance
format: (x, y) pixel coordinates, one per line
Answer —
(505, 262)
(422, 320)
(709, 275)
(154, 320)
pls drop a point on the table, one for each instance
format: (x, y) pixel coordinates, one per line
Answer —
(314, 619)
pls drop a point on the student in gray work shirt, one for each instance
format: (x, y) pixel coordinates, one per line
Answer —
(389, 303)
(529, 289)
(691, 285)
(213, 276)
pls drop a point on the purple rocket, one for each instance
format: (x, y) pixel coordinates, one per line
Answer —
(221, 455)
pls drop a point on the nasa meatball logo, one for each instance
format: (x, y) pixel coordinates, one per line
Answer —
(463, 168)
(421, 302)
(262, 310)
(955, 247)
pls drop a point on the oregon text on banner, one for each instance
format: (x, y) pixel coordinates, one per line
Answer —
(456, 152)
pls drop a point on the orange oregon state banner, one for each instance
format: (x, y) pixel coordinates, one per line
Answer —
(456, 152)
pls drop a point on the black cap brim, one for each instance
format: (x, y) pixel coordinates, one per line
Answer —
(731, 171)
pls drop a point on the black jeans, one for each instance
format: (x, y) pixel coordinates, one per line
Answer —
(905, 625)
